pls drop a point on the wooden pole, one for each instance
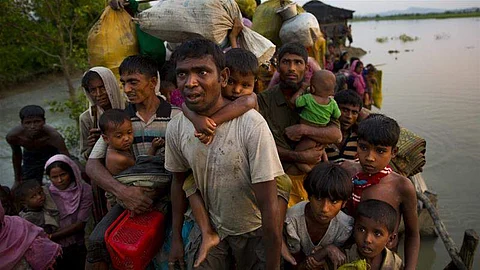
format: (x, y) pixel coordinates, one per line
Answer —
(442, 231)
(467, 251)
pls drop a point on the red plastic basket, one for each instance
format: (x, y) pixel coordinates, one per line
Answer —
(132, 242)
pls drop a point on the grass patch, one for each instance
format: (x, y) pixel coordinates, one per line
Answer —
(407, 38)
(381, 39)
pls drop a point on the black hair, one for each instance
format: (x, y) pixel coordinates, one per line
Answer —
(327, 180)
(348, 97)
(378, 129)
(167, 73)
(353, 59)
(199, 48)
(371, 68)
(141, 64)
(380, 211)
(293, 48)
(32, 111)
(242, 61)
(22, 190)
(112, 118)
(89, 76)
(62, 165)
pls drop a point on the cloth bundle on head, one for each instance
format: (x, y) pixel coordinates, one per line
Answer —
(20, 239)
(267, 22)
(179, 20)
(302, 28)
(112, 88)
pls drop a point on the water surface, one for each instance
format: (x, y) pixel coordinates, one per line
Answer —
(434, 90)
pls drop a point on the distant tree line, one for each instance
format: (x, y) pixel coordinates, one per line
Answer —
(43, 36)
(471, 12)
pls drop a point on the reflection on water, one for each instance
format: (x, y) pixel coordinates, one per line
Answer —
(434, 90)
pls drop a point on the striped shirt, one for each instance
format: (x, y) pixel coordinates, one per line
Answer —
(348, 149)
(144, 130)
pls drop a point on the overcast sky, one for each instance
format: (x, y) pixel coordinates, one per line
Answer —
(375, 6)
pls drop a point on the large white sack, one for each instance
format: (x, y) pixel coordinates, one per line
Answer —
(179, 20)
(302, 28)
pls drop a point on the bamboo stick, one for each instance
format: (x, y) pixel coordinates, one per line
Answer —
(442, 231)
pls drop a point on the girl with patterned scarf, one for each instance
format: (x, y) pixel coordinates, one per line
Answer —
(74, 199)
(24, 245)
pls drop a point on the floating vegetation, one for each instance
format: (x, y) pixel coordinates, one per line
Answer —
(442, 36)
(381, 39)
(407, 38)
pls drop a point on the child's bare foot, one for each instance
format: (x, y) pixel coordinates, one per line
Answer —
(209, 240)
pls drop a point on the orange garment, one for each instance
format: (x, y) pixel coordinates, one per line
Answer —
(298, 192)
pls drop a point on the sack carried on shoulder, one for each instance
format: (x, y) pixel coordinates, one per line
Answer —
(111, 39)
(176, 21)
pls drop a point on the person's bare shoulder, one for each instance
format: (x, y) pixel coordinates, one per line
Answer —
(52, 132)
(404, 186)
(401, 181)
(14, 135)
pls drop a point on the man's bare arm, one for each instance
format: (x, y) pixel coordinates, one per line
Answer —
(134, 198)
(266, 195)
(323, 135)
(309, 156)
(179, 206)
(57, 140)
(410, 218)
(17, 162)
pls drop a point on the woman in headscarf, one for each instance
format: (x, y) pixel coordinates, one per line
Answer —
(74, 199)
(24, 245)
(103, 92)
(356, 78)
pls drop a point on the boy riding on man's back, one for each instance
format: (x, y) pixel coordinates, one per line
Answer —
(243, 66)
(377, 139)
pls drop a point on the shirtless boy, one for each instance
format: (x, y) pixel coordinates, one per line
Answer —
(117, 132)
(39, 142)
(377, 139)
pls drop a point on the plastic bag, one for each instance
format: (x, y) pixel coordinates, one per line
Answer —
(247, 7)
(111, 39)
(303, 28)
(176, 21)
